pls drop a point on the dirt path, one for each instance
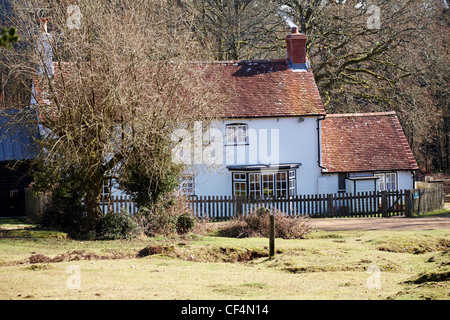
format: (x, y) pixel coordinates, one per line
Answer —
(393, 223)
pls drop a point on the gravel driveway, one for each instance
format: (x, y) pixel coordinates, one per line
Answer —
(393, 223)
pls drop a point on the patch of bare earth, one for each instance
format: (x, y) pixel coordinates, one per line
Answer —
(215, 254)
(74, 256)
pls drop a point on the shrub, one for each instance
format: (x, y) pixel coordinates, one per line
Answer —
(291, 227)
(65, 211)
(185, 223)
(119, 225)
(167, 217)
(71, 219)
(257, 224)
(156, 221)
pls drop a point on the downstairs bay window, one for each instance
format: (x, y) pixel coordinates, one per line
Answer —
(278, 184)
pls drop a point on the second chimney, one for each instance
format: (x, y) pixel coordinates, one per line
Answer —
(45, 50)
(296, 50)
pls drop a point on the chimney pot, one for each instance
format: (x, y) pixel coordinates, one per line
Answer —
(44, 50)
(44, 22)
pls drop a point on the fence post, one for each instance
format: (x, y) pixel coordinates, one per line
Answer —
(329, 204)
(238, 206)
(384, 205)
(408, 203)
(272, 236)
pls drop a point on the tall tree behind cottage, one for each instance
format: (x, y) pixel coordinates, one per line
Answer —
(237, 29)
(119, 88)
(384, 55)
(366, 55)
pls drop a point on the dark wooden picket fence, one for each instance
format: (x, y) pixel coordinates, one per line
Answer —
(361, 204)
(118, 204)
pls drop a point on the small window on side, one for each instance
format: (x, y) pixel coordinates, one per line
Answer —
(341, 182)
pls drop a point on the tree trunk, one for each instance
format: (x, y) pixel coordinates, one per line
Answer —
(93, 203)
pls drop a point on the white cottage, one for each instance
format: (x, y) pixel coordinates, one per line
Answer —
(274, 137)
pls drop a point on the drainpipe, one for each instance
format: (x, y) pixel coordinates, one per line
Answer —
(319, 149)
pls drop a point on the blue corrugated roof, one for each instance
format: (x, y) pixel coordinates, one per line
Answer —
(18, 131)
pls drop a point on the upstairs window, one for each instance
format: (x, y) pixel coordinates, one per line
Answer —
(237, 134)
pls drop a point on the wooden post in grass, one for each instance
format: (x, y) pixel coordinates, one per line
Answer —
(272, 236)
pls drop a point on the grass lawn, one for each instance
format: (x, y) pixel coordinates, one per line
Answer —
(379, 264)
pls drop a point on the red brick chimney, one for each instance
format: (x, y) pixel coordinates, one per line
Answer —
(296, 49)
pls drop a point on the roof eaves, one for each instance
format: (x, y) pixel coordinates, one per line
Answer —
(366, 114)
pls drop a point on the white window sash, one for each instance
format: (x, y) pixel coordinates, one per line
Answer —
(391, 181)
(237, 134)
(381, 182)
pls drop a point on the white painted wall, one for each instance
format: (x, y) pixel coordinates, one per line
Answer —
(271, 141)
(405, 180)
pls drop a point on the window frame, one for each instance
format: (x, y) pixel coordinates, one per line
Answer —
(14, 193)
(382, 182)
(187, 184)
(268, 187)
(394, 181)
(292, 182)
(254, 185)
(107, 187)
(240, 179)
(342, 178)
(233, 135)
(282, 184)
(279, 184)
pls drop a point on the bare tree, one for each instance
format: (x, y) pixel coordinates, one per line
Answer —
(348, 45)
(422, 98)
(237, 29)
(118, 87)
(383, 55)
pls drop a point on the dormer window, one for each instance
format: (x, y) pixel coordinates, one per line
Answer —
(237, 134)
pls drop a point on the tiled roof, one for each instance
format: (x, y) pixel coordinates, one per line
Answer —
(365, 142)
(267, 88)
